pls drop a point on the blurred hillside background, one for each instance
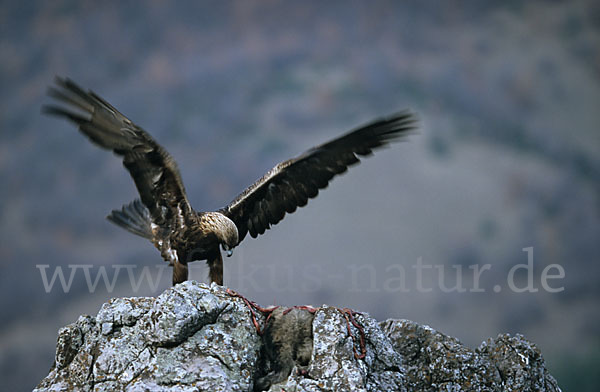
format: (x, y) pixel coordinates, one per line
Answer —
(506, 158)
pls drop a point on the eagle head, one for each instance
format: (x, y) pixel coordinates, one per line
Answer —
(225, 230)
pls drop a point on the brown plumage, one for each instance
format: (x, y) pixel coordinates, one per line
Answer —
(164, 215)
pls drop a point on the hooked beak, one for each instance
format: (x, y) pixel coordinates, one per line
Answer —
(228, 251)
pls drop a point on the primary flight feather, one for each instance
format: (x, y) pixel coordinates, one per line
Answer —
(163, 213)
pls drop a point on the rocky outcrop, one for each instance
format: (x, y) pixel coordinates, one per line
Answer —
(199, 338)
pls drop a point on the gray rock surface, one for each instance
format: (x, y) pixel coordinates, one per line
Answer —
(199, 338)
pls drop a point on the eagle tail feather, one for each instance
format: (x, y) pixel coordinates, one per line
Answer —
(133, 217)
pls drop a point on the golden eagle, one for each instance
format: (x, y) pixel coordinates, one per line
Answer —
(164, 214)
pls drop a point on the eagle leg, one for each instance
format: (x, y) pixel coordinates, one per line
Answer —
(215, 267)
(180, 272)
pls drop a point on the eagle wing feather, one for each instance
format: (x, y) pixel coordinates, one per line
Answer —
(152, 168)
(291, 183)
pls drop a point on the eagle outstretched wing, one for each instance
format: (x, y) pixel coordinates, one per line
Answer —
(290, 184)
(153, 170)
